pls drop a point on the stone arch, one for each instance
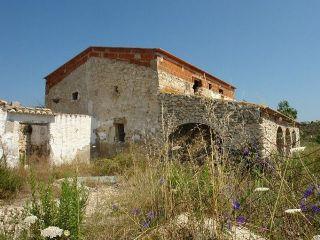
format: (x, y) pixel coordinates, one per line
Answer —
(193, 141)
(288, 141)
(294, 139)
(280, 140)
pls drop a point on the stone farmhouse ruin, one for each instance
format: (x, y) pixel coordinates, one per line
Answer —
(106, 97)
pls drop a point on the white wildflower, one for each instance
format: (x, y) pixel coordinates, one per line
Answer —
(261, 189)
(66, 233)
(182, 219)
(175, 148)
(292, 211)
(317, 237)
(297, 149)
(30, 220)
(51, 232)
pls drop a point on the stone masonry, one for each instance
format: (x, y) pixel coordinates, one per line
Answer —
(132, 92)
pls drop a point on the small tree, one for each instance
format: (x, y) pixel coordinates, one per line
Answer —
(285, 108)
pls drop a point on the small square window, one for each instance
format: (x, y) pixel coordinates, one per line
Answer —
(210, 86)
(56, 100)
(221, 91)
(75, 96)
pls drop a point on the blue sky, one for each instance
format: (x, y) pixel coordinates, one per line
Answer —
(270, 50)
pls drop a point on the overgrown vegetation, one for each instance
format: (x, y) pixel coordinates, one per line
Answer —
(166, 199)
(10, 182)
(310, 132)
(56, 214)
(167, 194)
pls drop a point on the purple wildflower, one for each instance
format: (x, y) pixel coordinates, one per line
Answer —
(315, 209)
(303, 207)
(308, 192)
(114, 207)
(136, 211)
(146, 224)
(246, 152)
(241, 220)
(150, 215)
(161, 181)
(236, 205)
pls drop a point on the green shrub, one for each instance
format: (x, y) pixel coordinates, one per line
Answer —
(66, 212)
(318, 139)
(115, 165)
(10, 182)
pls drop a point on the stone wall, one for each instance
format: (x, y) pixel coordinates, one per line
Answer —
(69, 139)
(236, 124)
(269, 126)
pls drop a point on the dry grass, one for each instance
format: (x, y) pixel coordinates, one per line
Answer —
(158, 189)
(159, 186)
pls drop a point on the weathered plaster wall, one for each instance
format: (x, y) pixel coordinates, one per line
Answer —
(11, 135)
(113, 92)
(57, 139)
(269, 126)
(9, 148)
(70, 138)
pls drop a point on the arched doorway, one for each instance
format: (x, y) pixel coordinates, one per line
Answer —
(288, 142)
(193, 141)
(280, 140)
(294, 139)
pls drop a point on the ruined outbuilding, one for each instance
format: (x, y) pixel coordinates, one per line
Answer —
(37, 134)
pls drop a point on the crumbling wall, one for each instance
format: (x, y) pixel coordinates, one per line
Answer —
(9, 137)
(238, 125)
(174, 78)
(33, 142)
(70, 136)
(14, 143)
